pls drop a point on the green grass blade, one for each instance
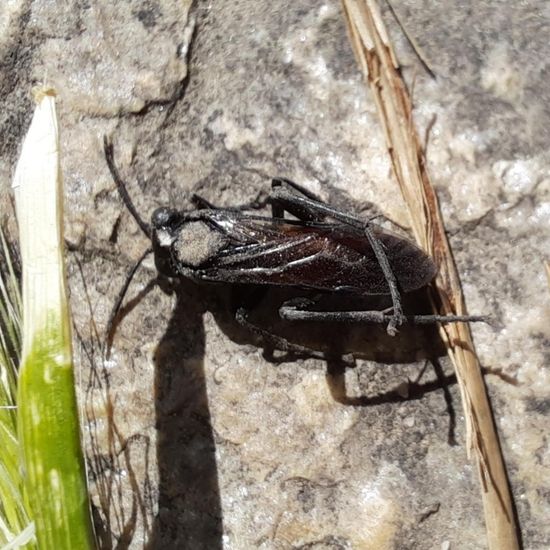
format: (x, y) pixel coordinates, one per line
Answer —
(14, 517)
(47, 414)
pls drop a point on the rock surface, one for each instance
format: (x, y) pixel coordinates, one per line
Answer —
(196, 439)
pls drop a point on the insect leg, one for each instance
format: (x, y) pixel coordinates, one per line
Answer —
(294, 188)
(111, 325)
(293, 198)
(201, 203)
(294, 313)
(241, 316)
(281, 203)
(258, 203)
(397, 315)
(121, 186)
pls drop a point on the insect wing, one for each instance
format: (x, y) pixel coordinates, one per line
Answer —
(323, 256)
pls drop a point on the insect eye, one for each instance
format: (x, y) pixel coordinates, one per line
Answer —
(162, 217)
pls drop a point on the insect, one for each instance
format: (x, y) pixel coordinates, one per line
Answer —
(322, 249)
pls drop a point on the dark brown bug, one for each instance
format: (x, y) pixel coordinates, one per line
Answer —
(324, 249)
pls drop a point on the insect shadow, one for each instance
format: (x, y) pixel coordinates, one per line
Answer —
(188, 499)
(339, 345)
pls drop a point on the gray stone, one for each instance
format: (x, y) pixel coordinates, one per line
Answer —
(194, 439)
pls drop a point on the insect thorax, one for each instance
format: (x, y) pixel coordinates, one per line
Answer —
(195, 243)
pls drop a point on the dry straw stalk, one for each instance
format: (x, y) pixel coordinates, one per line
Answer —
(379, 65)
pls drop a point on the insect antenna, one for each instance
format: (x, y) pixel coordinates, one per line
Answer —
(144, 226)
(121, 187)
(113, 317)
